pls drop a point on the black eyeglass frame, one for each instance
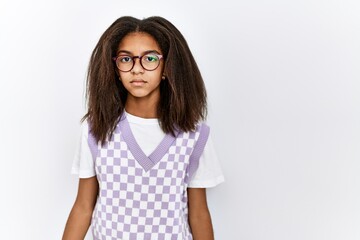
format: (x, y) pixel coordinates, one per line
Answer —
(140, 59)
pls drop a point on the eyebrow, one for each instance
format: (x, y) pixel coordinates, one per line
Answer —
(143, 53)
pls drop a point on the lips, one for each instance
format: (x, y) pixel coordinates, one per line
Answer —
(138, 82)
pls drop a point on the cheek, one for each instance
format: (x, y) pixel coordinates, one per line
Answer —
(123, 76)
(157, 74)
(156, 78)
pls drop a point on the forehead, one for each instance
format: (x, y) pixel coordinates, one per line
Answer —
(138, 43)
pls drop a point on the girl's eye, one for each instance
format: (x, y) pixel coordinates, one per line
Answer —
(151, 58)
(125, 59)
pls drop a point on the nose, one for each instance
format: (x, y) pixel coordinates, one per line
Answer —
(137, 68)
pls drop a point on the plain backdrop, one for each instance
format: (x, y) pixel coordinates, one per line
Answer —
(284, 109)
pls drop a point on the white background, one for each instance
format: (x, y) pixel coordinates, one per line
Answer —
(284, 100)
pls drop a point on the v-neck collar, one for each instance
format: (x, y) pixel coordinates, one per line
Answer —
(147, 162)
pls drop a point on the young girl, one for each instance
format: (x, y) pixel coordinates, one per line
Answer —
(145, 156)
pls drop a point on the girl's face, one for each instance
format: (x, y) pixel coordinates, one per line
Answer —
(139, 82)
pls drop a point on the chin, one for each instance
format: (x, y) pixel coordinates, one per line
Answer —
(139, 94)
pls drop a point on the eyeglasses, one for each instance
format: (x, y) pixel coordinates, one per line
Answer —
(149, 61)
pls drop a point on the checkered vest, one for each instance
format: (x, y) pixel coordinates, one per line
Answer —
(144, 197)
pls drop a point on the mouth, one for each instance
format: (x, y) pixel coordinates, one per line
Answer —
(138, 82)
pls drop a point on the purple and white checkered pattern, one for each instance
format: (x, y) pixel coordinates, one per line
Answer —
(142, 198)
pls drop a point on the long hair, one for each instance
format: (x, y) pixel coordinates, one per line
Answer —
(182, 94)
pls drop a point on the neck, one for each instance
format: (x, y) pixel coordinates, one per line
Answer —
(140, 107)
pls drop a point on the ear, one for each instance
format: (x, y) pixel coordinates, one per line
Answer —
(163, 75)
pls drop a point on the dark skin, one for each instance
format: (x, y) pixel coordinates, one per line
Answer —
(142, 101)
(199, 215)
(80, 215)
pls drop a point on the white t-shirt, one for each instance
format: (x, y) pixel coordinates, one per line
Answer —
(148, 135)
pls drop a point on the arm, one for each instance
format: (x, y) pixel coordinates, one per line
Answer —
(80, 215)
(199, 215)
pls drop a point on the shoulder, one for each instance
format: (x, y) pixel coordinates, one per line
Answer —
(201, 131)
(84, 126)
(202, 128)
(201, 135)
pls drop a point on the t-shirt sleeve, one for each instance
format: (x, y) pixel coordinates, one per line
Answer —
(209, 173)
(83, 164)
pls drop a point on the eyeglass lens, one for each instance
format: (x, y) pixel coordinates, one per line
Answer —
(149, 62)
